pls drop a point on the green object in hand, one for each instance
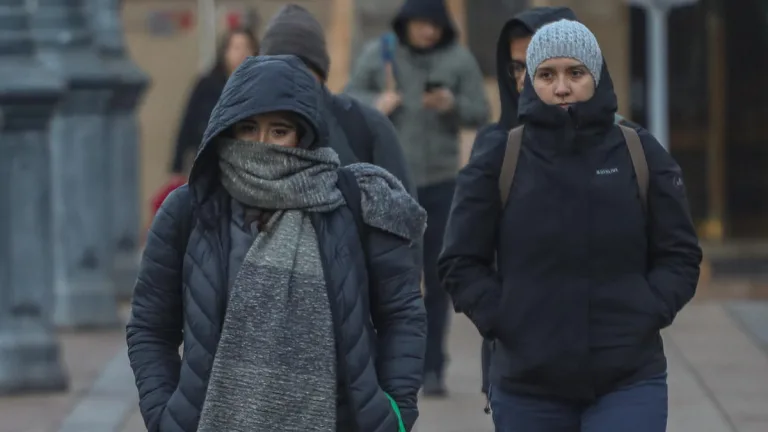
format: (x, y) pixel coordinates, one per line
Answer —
(396, 409)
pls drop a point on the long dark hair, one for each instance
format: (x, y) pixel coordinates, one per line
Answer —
(220, 67)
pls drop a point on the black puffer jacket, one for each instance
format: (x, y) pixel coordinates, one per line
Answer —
(181, 294)
(586, 280)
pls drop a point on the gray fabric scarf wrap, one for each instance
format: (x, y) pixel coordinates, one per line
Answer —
(275, 365)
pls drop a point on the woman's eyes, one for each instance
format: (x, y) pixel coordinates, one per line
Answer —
(577, 73)
(280, 132)
(247, 127)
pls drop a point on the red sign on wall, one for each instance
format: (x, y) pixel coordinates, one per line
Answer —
(170, 22)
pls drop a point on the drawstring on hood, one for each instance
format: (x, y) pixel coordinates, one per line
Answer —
(429, 10)
(530, 20)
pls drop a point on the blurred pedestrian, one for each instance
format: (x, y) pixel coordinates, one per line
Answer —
(234, 47)
(430, 87)
(575, 268)
(291, 318)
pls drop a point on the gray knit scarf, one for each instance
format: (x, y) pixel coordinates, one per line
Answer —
(275, 365)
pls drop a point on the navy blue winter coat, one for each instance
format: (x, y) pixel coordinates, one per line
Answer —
(586, 279)
(181, 292)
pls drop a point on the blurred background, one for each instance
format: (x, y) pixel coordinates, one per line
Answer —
(716, 68)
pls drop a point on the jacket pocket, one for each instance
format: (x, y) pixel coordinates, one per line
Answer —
(625, 312)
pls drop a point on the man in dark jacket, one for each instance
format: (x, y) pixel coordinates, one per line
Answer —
(358, 133)
(204, 236)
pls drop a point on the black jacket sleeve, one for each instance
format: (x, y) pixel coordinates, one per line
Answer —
(387, 152)
(193, 123)
(674, 252)
(400, 320)
(467, 263)
(154, 331)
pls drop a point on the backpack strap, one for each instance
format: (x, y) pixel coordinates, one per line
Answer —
(388, 40)
(350, 189)
(360, 138)
(640, 164)
(509, 166)
(388, 44)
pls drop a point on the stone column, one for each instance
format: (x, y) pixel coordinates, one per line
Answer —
(85, 293)
(122, 135)
(30, 358)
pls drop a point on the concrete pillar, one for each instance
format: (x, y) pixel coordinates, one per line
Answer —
(30, 358)
(85, 293)
(128, 84)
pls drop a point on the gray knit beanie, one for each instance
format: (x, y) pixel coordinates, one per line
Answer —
(294, 31)
(565, 38)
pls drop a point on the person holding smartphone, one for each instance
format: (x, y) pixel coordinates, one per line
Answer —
(430, 87)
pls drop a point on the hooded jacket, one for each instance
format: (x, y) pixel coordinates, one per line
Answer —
(586, 278)
(430, 140)
(530, 20)
(181, 290)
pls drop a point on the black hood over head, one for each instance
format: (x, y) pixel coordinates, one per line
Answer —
(431, 10)
(531, 20)
(592, 117)
(260, 85)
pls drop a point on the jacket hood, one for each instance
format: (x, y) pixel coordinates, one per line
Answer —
(594, 115)
(259, 85)
(531, 20)
(431, 10)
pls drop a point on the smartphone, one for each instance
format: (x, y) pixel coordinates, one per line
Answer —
(432, 85)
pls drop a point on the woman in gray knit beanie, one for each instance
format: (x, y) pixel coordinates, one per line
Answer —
(291, 281)
(581, 249)
(564, 62)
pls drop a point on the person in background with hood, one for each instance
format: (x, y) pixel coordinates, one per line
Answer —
(291, 320)
(234, 47)
(430, 87)
(359, 133)
(576, 276)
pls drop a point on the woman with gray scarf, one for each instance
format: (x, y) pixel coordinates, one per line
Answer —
(289, 280)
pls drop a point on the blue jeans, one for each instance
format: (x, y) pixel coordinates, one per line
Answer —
(640, 407)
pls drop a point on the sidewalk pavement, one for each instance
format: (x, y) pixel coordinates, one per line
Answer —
(718, 378)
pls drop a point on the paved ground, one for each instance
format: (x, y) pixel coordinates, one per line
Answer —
(85, 355)
(718, 367)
